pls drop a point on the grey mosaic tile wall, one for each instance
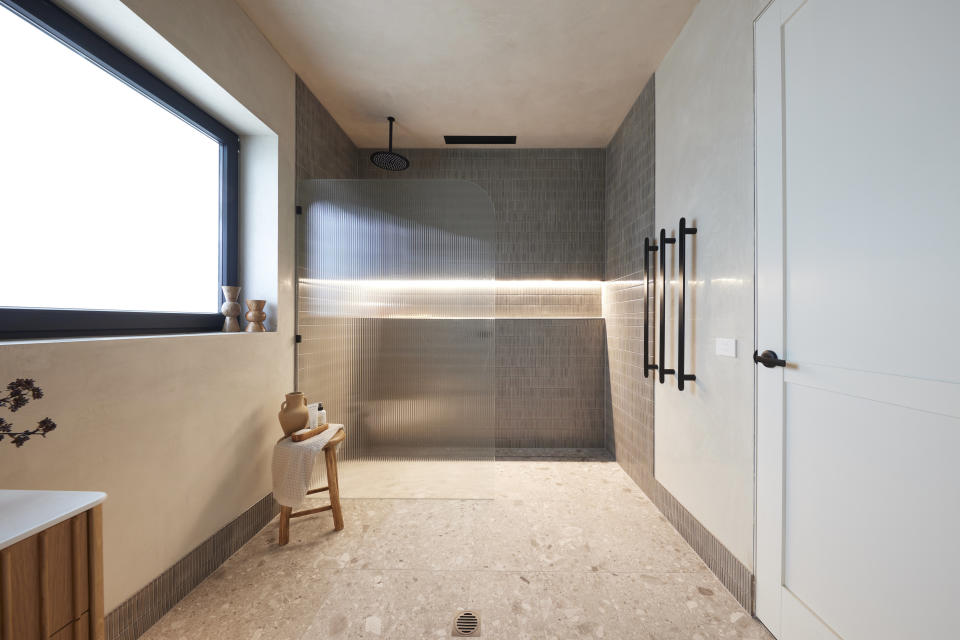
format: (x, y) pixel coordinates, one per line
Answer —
(628, 218)
(549, 204)
(324, 150)
(549, 207)
(578, 300)
(550, 383)
(629, 397)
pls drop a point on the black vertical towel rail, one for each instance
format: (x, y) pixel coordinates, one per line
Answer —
(681, 317)
(647, 248)
(664, 241)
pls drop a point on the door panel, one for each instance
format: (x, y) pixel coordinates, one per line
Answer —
(799, 623)
(864, 480)
(871, 97)
(857, 220)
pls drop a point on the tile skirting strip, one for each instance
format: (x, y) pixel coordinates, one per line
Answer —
(734, 575)
(138, 613)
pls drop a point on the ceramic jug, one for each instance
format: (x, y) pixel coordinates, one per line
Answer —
(293, 414)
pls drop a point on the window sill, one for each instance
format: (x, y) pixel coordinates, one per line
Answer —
(160, 336)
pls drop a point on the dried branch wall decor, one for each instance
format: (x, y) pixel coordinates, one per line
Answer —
(19, 393)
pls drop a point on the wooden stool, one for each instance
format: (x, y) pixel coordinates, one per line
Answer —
(333, 486)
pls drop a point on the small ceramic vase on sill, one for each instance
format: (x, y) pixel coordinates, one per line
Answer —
(256, 316)
(230, 309)
(293, 414)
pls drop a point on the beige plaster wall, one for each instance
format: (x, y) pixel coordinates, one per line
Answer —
(704, 445)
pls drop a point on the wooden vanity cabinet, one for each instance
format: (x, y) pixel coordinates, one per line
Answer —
(51, 584)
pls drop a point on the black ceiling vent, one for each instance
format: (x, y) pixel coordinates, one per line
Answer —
(480, 139)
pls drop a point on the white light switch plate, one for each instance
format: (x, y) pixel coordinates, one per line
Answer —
(727, 347)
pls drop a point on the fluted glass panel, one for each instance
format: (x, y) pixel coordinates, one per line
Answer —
(395, 310)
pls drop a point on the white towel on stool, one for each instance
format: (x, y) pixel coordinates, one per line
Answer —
(293, 465)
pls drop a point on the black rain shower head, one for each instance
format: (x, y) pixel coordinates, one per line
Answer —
(388, 159)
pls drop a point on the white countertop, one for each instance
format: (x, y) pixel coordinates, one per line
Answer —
(24, 513)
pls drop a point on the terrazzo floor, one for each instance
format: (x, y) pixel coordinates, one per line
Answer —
(566, 549)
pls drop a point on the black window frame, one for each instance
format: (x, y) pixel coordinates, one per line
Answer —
(32, 323)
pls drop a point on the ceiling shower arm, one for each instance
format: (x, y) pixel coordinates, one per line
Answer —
(388, 160)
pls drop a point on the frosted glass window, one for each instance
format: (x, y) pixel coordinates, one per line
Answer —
(108, 201)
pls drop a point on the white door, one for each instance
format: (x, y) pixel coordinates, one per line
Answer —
(858, 289)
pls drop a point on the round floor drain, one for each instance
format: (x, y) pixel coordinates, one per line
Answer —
(466, 624)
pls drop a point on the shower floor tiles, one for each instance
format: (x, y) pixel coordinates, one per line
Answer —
(564, 550)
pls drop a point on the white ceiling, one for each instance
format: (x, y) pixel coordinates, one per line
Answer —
(555, 73)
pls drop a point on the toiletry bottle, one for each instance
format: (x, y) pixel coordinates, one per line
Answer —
(322, 416)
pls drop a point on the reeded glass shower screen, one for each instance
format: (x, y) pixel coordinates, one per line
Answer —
(396, 306)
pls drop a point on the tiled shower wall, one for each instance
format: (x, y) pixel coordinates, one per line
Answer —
(548, 202)
(549, 337)
(324, 150)
(628, 219)
(550, 383)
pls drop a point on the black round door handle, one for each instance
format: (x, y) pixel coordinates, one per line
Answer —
(769, 359)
